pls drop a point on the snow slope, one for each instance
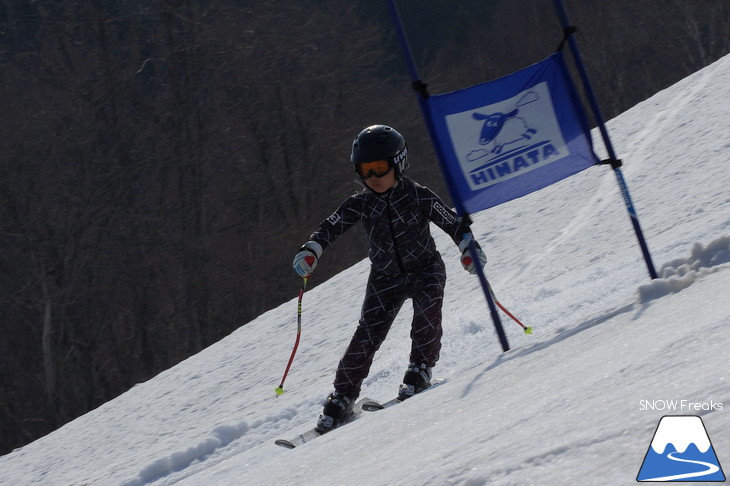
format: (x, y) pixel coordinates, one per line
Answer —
(575, 403)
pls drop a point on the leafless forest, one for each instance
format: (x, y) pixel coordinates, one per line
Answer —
(163, 160)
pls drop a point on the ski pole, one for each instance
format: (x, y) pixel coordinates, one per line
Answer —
(280, 389)
(525, 329)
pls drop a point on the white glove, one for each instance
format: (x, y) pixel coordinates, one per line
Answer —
(306, 260)
(466, 260)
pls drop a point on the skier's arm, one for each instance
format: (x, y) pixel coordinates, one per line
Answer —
(459, 231)
(439, 213)
(327, 233)
(344, 218)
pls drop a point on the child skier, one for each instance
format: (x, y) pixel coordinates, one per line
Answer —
(395, 212)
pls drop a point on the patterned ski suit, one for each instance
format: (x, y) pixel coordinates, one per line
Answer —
(405, 264)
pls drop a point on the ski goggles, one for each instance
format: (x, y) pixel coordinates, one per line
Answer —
(377, 168)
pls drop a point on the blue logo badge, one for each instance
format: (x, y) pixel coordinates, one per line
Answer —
(681, 451)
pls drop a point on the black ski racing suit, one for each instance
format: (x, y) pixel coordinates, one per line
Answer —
(404, 264)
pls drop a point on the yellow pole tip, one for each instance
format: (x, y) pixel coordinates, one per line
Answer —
(279, 390)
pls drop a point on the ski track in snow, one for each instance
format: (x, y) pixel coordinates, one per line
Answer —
(667, 118)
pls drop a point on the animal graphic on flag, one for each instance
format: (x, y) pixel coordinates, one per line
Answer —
(501, 130)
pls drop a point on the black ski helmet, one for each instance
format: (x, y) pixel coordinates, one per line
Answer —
(381, 142)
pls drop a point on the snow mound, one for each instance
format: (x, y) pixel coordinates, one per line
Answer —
(683, 272)
(219, 437)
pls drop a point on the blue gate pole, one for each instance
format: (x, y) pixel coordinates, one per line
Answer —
(615, 162)
(420, 87)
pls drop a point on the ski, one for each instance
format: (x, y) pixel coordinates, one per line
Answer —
(362, 405)
(373, 406)
(312, 434)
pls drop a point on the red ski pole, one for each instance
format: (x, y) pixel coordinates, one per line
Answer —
(280, 389)
(525, 329)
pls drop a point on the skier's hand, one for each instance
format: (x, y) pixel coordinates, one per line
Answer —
(466, 260)
(306, 260)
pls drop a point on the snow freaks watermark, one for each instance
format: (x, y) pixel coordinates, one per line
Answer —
(680, 450)
(681, 406)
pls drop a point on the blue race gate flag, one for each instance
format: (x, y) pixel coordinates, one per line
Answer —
(506, 138)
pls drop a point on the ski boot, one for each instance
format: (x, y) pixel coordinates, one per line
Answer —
(335, 410)
(416, 379)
